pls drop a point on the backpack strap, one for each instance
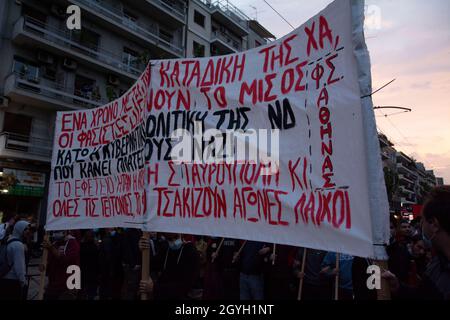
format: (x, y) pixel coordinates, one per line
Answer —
(7, 243)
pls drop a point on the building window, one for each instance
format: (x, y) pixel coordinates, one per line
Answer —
(130, 58)
(166, 35)
(86, 38)
(85, 88)
(129, 19)
(18, 127)
(198, 50)
(26, 69)
(199, 18)
(37, 17)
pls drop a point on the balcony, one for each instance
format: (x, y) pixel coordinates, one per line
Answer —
(403, 168)
(28, 31)
(114, 20)
(406, 177)
(25, 147)
(408, 200)
(173, 11)
(43, 93)
(407, 189)
(224, 43)
(227, 14)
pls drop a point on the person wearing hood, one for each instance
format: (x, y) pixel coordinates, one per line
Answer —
(13, 283)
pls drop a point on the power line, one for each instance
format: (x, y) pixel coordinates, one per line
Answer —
(408, 144)
(279, 14)
(371, 94)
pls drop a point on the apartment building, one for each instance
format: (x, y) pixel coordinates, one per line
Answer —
(407, 180)
(48, 68)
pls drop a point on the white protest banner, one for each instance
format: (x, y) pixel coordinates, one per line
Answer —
(163, 156)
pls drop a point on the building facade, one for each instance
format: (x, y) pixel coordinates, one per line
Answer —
(407, 181)
(48, 68)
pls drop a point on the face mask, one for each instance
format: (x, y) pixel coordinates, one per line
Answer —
(57, 236)
(175, 245)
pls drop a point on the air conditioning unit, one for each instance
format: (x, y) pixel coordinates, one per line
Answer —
(58, 11)
(45, 57)
(69, 64)
(113, 80)
(4, 102)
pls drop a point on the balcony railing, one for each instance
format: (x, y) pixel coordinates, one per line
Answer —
(407, 189)
(229, 41)
(407, 177)
(27, 144)
(176, 10)
(229, 10)
(409, 170)
(150, 32)
(63, 37)
(59, 93)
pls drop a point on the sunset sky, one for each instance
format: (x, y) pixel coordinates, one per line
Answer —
(412, 44)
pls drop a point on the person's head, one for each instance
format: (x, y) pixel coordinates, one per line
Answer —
(111, 231)
(174, 240)
(22, 230)
(405, 228)
(418, 248)
(10, 218)
(436, 217)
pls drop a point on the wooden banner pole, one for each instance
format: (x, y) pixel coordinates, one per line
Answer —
(218, 249)
(43, 272)
(336, 283)
(145, 271)
(274, 253)
(302, 270)
(239, 251)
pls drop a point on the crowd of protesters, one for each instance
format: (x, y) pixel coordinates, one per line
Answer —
(198, 267)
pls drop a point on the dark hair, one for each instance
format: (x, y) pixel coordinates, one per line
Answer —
(404, 221)
(416, 238)
(8, 216)
(437, 205)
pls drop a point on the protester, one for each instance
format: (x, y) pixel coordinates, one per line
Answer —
(344, 272)
(405, 232)
(417, 256)
(213, 286)
(251, 278)
(12, 279)
(177, 266)
(63, 252)
(89, 265)
(397, 253)
(436, 234)
(131, 262)
(279, 280)
(315, 285)
(110, 266)
(7, 225)
(201, 245)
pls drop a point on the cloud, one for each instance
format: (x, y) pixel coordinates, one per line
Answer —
(421, 85)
